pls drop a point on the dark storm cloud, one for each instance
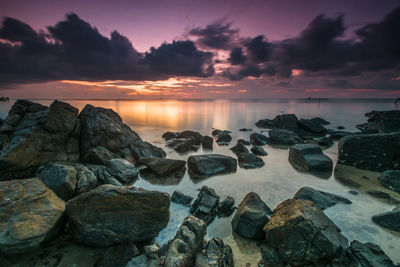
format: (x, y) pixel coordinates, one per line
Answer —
(73, 49)
(236, 56)
(258, 49)
(218, 35)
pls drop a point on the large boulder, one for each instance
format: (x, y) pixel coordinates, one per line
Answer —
(111, 215)
(248, 160)
(104, 127)
(122, 169)
(376, 152)
(251, 216)
(207, 142)
(206, 204)
(239, 148)
(163, 167)
(211, 164)
(183, 142)
(390, 179)
(99, 155)
(389, 220)
(182, 250)
(384, 121)
(300, 234)
(283, 137)
(214, 253)
(33, 135)
(321, 199)
(312, 126)
(309, 158)
(257, 139)
(30, 213)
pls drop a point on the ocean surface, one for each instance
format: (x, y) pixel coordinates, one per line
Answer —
(275, 182)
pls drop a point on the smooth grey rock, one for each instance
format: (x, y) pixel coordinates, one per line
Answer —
(223, 139)
(122, 169)
(257, 139)
(163, 167)
(321, 199)
(239, 148)
(312, 126)
(390, 179)
(248, 160)
(325, 142)
(181, 198)
(259, 151)
(283, 137)
(211, 164)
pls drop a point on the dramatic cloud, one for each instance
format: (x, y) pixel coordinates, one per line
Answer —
(258, 49)
(74, 50)
(218, 35)
(236, 56)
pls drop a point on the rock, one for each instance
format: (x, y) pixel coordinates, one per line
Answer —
(99, 155)
(111, 215)
(211, 164)
(321, 199)
(324, 142)
(122, 169)
(300, 234)
(60, 178)
(173, 178)
(170, 135)
(118, 255)
(340, 127)
(30, 213)
(226, 207)
(389, 220)
(207, 142)
(239, 148)
(376, 152)
(182, 250)
(379, 194)
(214, 253)
(181, 198)
(390, 179)
(259, 151)
(367, 254)
(245, 129)
(286, 121)
(320, 121)
(104, 127)
(283, 137)
(216, 132)
(85, 179)
(248, 160)
(367, 128)
(144, 261)
(36, 136)
(337, 135)
(312, 126)
(353, 192)
(205, 206)
(266, 123)
(257, 139)
(223, 139)
(163, 167)
(185, 141)
(384, 121)
(309, 158)
(251, 216)
(103, 176)
(243, 142)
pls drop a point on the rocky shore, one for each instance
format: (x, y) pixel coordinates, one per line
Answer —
(67, 180)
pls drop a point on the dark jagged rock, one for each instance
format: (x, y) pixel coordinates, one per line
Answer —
(103, 176)
(163, 167)
(367, 128)
(309, 158)
(251, 216)
(185, 141)
(266, 123)
(122, 169)
(207, 142)
(248, 160)
(214, 253)
(359, 254)
(211, 164)
(300, 234)
(205, 206)
(226, 207)
(283, 137)
(320, 121)
(170, 135)
(118, 256)
(111, 215)
(239, 148)
(257, 139)
(245, 129)
(181, 198)
(99, 155)
(312, 126)
(259, 151)
(104, 127)
(30, 213)
(286, 121)
(223, 139)
(324, 142)
(337, 135)
(379, 194)
(377, 152)
(390, 179)
(243, 142)
(216, 132)
(182, 250)
(389, 220)
(384, 121)
(321, 199)
(33, 135)
(85, 179)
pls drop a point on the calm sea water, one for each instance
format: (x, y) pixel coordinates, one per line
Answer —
(275, 182)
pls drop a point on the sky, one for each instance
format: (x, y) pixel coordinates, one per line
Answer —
(175, 49)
